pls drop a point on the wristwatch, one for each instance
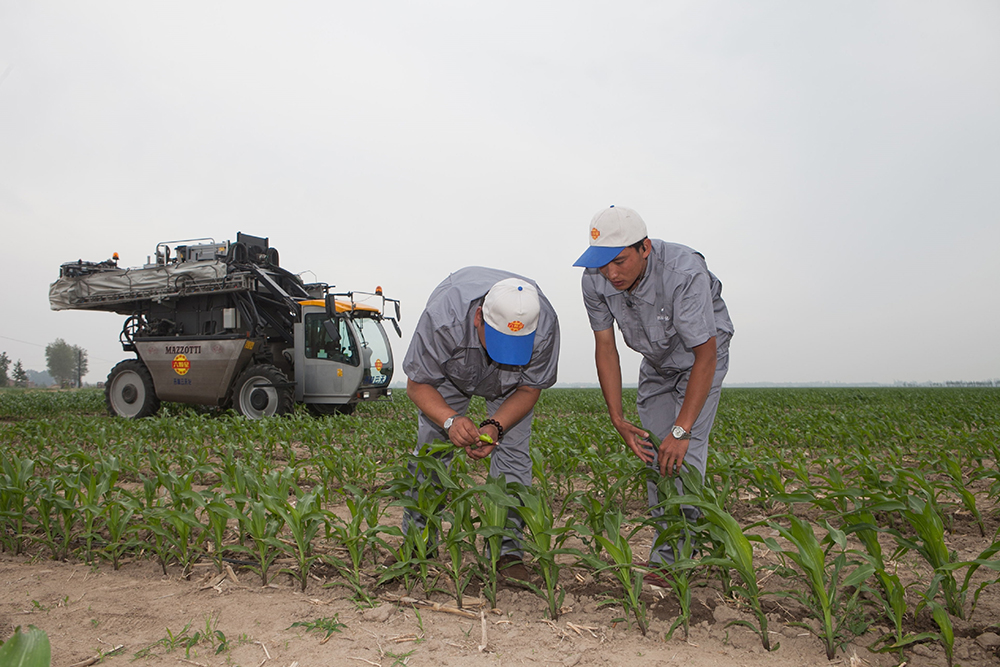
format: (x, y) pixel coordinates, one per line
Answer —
(449, 421)
(679, 433)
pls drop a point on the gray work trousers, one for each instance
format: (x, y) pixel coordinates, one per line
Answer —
(510, 458)
(659, 402)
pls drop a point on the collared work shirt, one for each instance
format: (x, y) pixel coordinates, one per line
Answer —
(446, 347)
(676, 306)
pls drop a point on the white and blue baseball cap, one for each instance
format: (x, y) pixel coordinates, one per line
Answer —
(612, 230)
(510, 313)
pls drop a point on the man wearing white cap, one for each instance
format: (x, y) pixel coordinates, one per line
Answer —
(669, 308)
(489, 333)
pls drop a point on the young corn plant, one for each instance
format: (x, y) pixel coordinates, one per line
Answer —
(118, 514)
(738, 556)
(16, 484)
(544, 542)
(678, 574)
(984, 559)
(620, 551)
(459, 539)
(98, 478)
(303, 518)
(826, 596)
(675, 528)
(47, 504)
(957, 485)
(491, 504)
(890, 592)
(182, 532)
(945, 634)
(241, 489)
(152, 512)
(68, 491)
(181, 529)
(263, 528)
(356, 539)
(420, 545)
(595, 507)
(929, 542)
(218, 513)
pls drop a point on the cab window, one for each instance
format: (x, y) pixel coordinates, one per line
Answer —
(320, 345)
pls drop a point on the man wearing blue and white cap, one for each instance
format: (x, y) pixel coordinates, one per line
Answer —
(669, 308)
(489, 333)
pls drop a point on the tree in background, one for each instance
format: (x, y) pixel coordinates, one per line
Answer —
(20, 376)
(67, 364)
(4, 367)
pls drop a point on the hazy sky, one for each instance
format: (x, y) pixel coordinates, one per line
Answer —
(838, 163)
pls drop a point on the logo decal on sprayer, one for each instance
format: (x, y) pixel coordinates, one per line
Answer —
(594, 233)
(515, 326)
(378, 365)
(181, 365)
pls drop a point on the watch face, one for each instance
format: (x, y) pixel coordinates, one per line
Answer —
(678, 432)
(448, 422)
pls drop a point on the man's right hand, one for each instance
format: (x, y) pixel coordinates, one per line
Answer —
(464, 433)
(636, 439)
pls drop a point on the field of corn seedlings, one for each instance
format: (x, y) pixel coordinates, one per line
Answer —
(834, 523)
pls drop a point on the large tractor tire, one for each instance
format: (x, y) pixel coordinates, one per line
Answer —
(327, 409)
(129, 391)
(262, 391)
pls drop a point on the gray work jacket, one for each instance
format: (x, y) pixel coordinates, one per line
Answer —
(676, 306)
(446, 347)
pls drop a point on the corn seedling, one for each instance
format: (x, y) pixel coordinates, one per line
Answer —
(596, 506)
(356, 538)
(492, 504)
(543, 541)
(66, 509)
(890, 591)
(738, 556)
(303, 518)
(327, 625)
(956, 484)
(678, 573)
(630, 578)
(458, 540)
(825, 596)
(46, 504)
(929, 542)
(218, 514)
(263, 529)
(985, 559)
(945, 634)
(97, 479)
(118, 513)
(241, 489)
(423, 494)
(16, 481)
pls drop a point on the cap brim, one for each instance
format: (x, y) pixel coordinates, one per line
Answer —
(509, 350)
(597, 256)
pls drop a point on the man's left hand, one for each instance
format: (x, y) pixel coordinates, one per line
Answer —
(671, 455)
(480, 452)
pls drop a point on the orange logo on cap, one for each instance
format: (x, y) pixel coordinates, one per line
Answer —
(594, 233)
(180, 364)
(516, 325)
